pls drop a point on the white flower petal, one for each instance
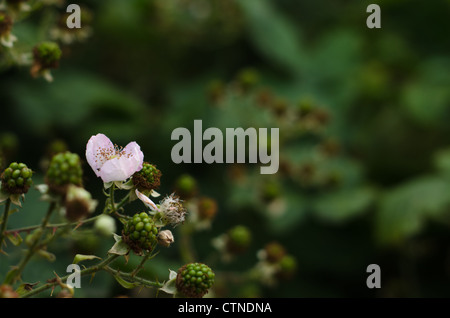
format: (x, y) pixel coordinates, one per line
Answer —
(96, 143)
(146, 200)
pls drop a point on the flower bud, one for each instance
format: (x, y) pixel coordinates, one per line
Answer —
(165, 238)
(16, 179)
(78, 203)
(148, 178)
(105, 225)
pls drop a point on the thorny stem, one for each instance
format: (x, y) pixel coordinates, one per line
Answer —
(141, 264)
(33, 227)
(4, 221)
(123, 202)
(86, 271)
(112, 206)
(32, 249)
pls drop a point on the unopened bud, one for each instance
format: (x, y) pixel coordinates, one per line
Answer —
(165, 238)
(105, 225)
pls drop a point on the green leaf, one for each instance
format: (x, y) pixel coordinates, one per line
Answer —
(441, 160)
(426, 99)
(80, 257)
(273, 34)
(405, 209)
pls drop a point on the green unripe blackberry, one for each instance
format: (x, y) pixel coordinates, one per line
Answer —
(186, 186)
(288, 266)
(148, 178)
(5, 23)
(275, 252)
(140, 233)
(207, 208)
(64, 170)
(47, 55)
(194, 280)
(247, 79)
(239, 238)
(16, 179)
(270, 191)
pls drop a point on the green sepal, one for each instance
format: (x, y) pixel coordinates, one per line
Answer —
(80, 257)
(169, 287)
(15, 239)
(120, 247)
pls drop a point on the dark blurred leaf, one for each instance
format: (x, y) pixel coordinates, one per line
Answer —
(339, 206)
(274, 35)
(441, 160)
(404, 210)
(79, 102)
(427, 98)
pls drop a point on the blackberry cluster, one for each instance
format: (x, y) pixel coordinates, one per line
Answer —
(47, 55)
(140, 233)
(16, 179)
(194, 280)
(148, 178)
(207, 208)
(239, 238)
(64, 169)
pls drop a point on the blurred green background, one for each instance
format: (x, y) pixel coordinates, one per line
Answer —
(363, 117)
